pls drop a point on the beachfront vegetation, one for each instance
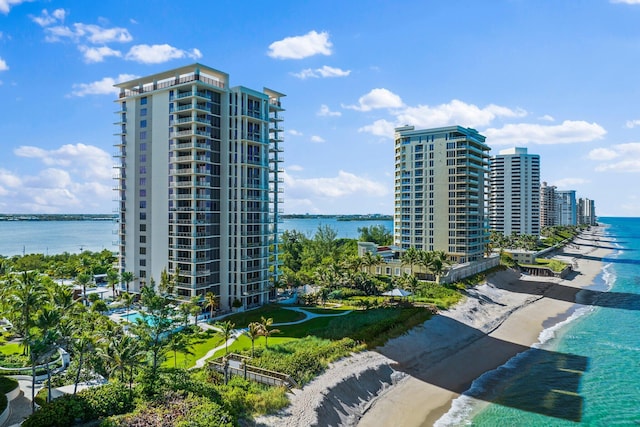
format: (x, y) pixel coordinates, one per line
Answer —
(146, 365)
(550, 237)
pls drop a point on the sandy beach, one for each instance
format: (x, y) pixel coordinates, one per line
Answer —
(413, 379)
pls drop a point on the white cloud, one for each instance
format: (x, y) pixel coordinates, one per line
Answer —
(298, 47)
(379, 128)
(294, 132)
(159, 53)
(323, 72)
(633, 123)
(602, 154)
(326, 112)
(6, 5)
(317, 139)
(343, 185)
(76, 178)
(626, 1)
(91, 33)
(45, 19)
(375, 99)
(628, 153)
(97, 54)
(455, 112)
(568, 132)
(87, 161)
(101, 87)
(295, 168)
(547, 118)
(3, 65)
(570, 182)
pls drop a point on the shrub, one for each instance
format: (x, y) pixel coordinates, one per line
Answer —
(86, 405)
(177, 410)
(7, 385)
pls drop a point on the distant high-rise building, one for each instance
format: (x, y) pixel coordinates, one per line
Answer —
(548, 217)
(586, 212)
(440, 177)
(514, 194)
(199, 184)
(566, 208)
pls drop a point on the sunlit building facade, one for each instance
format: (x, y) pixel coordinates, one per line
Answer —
(514, 194)
(440, 181)
(199, 182)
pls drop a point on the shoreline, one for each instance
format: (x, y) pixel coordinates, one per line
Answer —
(414, 379)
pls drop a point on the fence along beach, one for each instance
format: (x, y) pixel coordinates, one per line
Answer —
(413, 379)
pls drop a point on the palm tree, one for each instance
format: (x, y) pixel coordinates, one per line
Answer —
(123, 353)
(211, 301)
(439, 264)
(40, 349)
(185, 310)
(370, 260)
(127, 277)
(24, 295)
(179, 343)
(265, 324)
(82, 344)
(83, 279)
(410, 257)
(127, 299)
(113, 278)
(226, 329)
(48, 321)
(254, 331)
(425, 258)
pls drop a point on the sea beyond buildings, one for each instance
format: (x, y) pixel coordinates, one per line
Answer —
(199, 185)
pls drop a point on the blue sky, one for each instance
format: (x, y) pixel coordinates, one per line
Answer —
(557, 77)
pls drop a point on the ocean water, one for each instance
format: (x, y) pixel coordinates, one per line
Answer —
(586, 369)
(56, 237)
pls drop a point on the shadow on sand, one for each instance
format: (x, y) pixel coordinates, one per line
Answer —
(554, 392)
(555, 387)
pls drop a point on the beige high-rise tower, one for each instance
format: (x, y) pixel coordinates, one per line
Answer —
(199, 183)
(440, 182)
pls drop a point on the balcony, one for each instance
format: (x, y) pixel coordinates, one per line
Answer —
(187, 171)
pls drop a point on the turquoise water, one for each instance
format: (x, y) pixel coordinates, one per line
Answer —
(586, 371)
(56, 237)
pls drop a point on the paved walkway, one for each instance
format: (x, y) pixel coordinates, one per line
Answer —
(238, 332)
(20, 407)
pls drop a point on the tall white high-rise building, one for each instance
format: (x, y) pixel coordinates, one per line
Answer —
(199, 183)
(514, 195)
(566, 208)
(440, 177)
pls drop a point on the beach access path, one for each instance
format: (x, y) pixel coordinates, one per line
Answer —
(413, 379)
(237, 333)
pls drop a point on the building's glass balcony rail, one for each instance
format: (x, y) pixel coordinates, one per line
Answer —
(187, 171)
(184, 107)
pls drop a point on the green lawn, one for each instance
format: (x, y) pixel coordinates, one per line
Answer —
(276, 312)
(11, 348)
(199, 346)
(372, 327)
(325, 310)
